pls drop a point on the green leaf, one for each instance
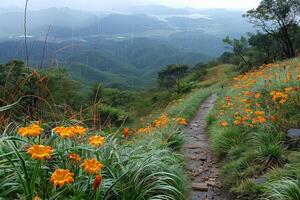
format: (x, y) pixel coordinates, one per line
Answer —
(7, 107)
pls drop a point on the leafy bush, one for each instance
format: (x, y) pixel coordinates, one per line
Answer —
(111, 115)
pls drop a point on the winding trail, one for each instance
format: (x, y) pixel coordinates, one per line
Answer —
(203, 170)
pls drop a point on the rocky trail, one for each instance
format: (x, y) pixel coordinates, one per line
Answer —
(203, 169)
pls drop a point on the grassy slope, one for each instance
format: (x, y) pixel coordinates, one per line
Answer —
(257, 161)
(150, 164)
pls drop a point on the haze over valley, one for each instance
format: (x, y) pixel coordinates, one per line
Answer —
(124, 48)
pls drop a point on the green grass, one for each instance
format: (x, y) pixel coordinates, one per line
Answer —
(145, 168)
(188, 106)
(283, 190)
(247, 153)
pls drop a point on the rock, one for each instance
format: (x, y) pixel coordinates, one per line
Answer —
(214, 184)
(202, 157)
(210, 183)
(293, 133)
(192, 146)
(200, 186)
(193, 157)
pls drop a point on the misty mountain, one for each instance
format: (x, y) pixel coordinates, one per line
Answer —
(127, 48)
(108, 62)
(119, 24)
(68, 22)
(160, 10)
(63, 17)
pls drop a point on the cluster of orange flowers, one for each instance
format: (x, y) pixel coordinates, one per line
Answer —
(181, 121)
(162, 122)
(245, 106)
(68, 132)
(146, 129)
(60, 177)
(32, 130)
(281, 97)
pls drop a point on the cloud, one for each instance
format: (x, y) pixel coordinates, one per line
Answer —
(116, 4)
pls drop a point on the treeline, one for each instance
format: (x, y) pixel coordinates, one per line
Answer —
(277, 38)
(28, 94)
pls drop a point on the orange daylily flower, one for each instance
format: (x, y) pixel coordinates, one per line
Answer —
(97, 141)
(64, 132)
(257, 95)
(79, 130)
(259, 112)
(92, 166)
(40, 152)
(32, 130)
(181, 121)
(223, 123)
(62, 177)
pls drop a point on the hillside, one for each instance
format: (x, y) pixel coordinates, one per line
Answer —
(251, 131)
(121, 100)
(129, 62)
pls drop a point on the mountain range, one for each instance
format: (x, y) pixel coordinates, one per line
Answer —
(125, 48)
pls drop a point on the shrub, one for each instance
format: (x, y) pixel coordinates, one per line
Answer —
(248, 189)
(223, 140)
(111, 115)
(270, 149)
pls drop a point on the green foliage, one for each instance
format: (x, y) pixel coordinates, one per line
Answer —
(279, 18)
(248, 189)
(111, 115)
(228, 140)
(254, 157)
(188, 107)
(270, 148)
(145, 169)
(40, 94)
(239, 47)
(184, 88)
(267, 47)
(170, 76)
(283, 190)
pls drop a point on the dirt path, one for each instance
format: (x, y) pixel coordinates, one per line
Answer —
(202, 168)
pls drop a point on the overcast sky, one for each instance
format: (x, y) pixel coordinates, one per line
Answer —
(117, 4)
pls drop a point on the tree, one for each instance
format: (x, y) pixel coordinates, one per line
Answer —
(278, 18)
(171, 75)
(266, 45)
(238, 47)
(225, 57)
(200, 71)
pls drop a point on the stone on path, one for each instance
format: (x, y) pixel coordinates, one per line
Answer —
(200, 186)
